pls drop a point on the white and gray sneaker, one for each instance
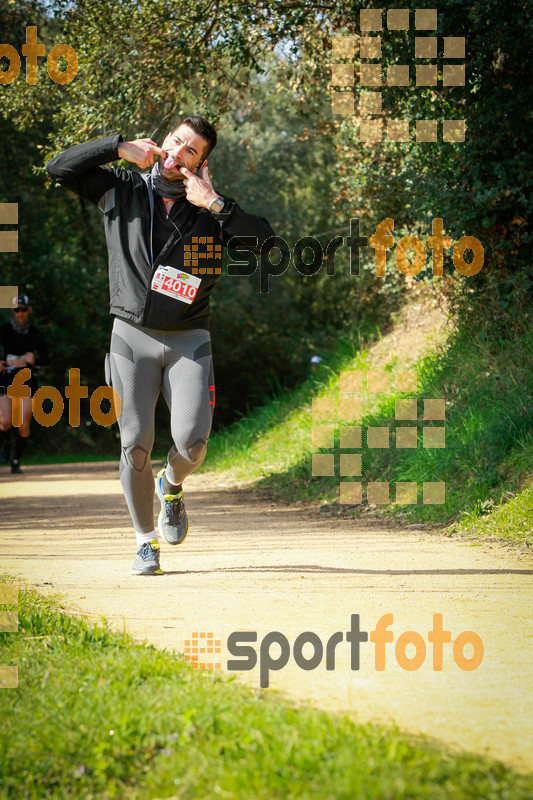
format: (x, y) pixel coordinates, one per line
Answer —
(147, 559)
(172, 522)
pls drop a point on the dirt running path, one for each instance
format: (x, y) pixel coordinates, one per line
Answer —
(246, 566)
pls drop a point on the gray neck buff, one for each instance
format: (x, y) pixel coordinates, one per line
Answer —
(19, 328)
(174, 190)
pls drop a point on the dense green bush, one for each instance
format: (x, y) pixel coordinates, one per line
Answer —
(480, 187)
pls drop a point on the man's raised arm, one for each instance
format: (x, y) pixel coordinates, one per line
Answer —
(81, 167)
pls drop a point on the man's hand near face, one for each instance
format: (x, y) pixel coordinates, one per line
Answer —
(142, 152)
(200, 191)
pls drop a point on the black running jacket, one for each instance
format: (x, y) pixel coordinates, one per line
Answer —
(124, 198)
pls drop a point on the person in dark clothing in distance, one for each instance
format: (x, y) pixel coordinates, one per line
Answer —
(21, 345)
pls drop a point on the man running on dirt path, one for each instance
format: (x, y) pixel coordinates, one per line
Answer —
(160, 338)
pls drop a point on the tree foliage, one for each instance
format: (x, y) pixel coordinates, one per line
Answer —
(262, 72)
(481, 187)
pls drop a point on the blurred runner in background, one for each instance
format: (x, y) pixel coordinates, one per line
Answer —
(21, 345)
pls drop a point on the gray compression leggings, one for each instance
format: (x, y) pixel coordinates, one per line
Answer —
(141, 362)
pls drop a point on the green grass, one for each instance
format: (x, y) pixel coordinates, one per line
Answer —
(487, 386)
(489, 426)
(275, 437)
(97, 715)
(512, 520)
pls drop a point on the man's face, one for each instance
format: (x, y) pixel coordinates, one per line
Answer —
(21, 314)
(186, 148)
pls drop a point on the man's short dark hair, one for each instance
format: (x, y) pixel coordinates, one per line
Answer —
(203, 128)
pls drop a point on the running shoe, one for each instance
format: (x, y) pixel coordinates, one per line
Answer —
(172, 521)
(147, 559)
(15, 467)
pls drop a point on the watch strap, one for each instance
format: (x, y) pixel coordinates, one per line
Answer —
(216, 205)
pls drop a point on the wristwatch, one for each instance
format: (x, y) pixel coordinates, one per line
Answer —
(216, 205)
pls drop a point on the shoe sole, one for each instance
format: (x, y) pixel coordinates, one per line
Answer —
(151, 571)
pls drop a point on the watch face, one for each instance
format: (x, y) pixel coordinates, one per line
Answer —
(217, 205)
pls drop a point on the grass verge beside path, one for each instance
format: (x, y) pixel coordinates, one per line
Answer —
(513, 520)
(484, 457)
(99, 716)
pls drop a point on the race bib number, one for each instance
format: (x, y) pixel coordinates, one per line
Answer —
(176, 284)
